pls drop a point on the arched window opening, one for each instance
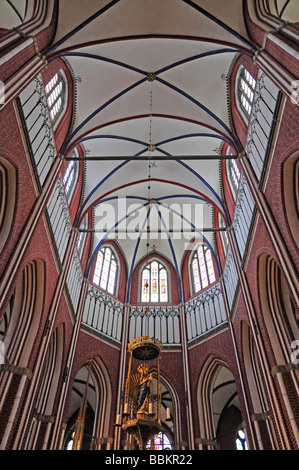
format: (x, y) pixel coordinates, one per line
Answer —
(55, 95)
(8, 194)
(70, 178)
(234, 176)
(241, 443)
(159, 442)
(202, 268)
(106, 270)
(90, 403)
(246, 88)
(291, 194)
(154, 282)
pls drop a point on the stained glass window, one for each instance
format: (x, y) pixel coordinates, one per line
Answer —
(159, 442)
(202, 268)
(70, 178)
(106, 270)
(154, 282)
(246, 91)
(55, 91)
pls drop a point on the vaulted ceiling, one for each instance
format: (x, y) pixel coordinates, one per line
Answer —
(152, 72)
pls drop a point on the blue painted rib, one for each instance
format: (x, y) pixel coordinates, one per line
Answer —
(99, 185)
(173, 254)
(203, 107)
(108, 232)
(135, 254)
(98, 110)
(221, 24)
(201, 56)
(202, 180)
(80, 27)
(201, 234)
(86, 55)
(16, 11)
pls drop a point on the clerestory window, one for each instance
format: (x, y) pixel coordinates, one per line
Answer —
(106, 270)
(154, 282)
(55, 95)
(70, 178)
(202, 268)
(246, 89)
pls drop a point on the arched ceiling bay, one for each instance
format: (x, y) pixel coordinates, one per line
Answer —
(151, 73)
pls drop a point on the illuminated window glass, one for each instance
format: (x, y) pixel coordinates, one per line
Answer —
(246, 88)
(70, 178)
(55, 91)
(159, 442)
(202, 268)
(241, 443)
(154, 283)
(234, 176)
(105, 275)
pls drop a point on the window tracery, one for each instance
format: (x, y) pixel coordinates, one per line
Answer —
(106, 270)
(246, 89)
(70, 178)
(154, 282)
(202, 268)
(55, 95)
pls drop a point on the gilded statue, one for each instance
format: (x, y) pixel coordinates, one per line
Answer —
(145, 389)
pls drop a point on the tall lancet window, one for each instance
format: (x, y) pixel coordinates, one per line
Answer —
(202, 268)
(106, 270)
(55, 94)
(246, 88)
(70, 178)
(234, 176)
(154, 282)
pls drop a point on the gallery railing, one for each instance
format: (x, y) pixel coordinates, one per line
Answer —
(267, 100)
(37, 127)
(230, 279)
(59, 219)
(161, 322)
(103, 315)
(244, 216)
(205, 313)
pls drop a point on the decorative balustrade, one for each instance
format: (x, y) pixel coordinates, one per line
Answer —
(161, 322)
(262, 122)
(230, 279)
(103, 314)
(243, 216)
(37, 127)
(74, 282)
(205, 313)
(59, 218)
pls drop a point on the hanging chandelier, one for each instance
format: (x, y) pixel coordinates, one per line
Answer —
(141, 416)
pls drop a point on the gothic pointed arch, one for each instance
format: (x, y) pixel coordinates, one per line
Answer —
(8, 198)
(218, 406)
(92, 381)
(291, 194)
(263, 426)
